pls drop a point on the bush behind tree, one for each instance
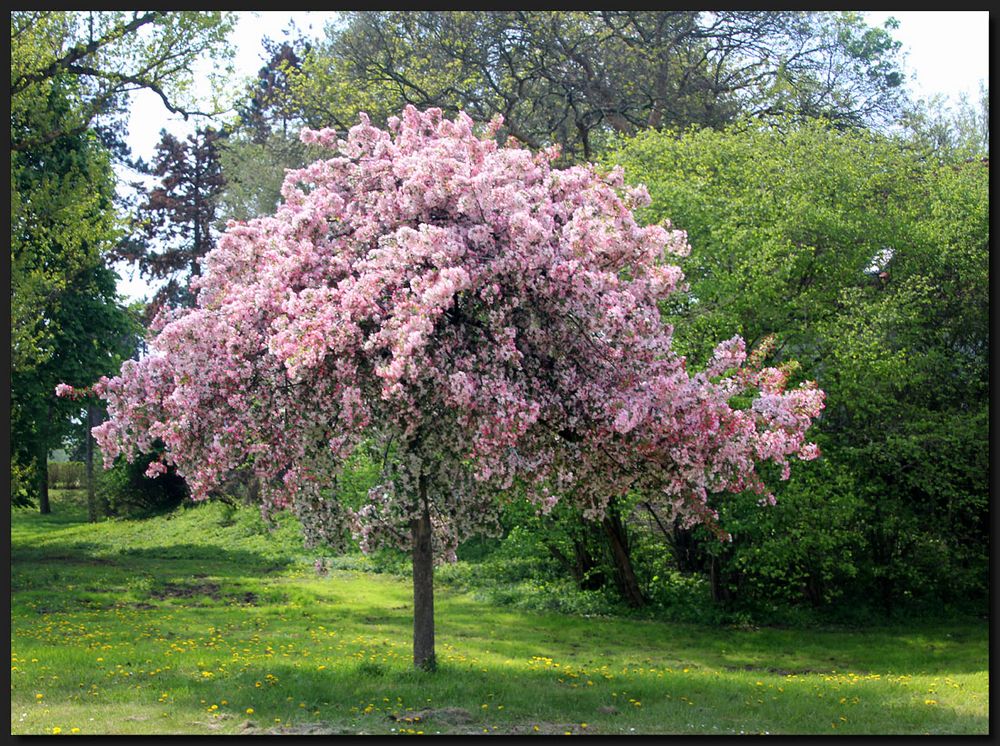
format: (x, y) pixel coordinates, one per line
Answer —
(126, 492)
(869, 263)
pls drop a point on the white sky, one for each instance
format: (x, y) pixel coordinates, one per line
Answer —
(945, 52)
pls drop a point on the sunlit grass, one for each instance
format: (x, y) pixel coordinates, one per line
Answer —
(199, 622)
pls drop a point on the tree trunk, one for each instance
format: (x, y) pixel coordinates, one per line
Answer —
(423, 587)
(91, 505)
(625, 577)
(92, 512)
(42, 460)
(720, 589)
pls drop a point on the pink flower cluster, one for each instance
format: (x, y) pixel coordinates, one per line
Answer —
(65, 391)
(480, 318)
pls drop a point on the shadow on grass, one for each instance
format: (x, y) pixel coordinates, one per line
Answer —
(677, 703)
(64, 576)
(222, 562)
(177, 572)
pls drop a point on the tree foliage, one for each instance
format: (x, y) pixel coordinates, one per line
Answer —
(263, 142)
(178, 220)
(90, 333)
(268, 105)
(786, 218)
(62, 219)
(572, 77)
(950, 133)
(869, 262)
(107, 54)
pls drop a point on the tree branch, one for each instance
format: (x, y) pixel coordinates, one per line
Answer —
(82, 50)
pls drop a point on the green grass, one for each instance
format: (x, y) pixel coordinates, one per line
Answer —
(181, 623)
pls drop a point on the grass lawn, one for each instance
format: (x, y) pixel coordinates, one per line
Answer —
(201, 622)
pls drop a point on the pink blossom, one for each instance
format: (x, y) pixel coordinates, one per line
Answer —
(479, 316)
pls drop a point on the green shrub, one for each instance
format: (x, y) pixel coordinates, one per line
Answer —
(22, 477)
(125, 491)
(67, 474)
(870, 264)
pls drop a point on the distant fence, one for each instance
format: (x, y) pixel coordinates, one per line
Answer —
(67, 474)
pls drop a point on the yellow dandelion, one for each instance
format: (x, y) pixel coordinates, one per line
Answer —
(249, 711)
(56, 731)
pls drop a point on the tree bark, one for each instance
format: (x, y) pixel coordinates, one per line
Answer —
(95, 509)
(91, 497)
(423, 587)
(625, 577)
(42, 459)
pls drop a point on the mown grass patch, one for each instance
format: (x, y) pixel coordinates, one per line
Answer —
(201, 621)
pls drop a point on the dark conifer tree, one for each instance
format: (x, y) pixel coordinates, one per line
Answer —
(176, 218)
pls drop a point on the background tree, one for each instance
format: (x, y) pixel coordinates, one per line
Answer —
(264, 141)
(913, 422)
(950, 133)
(178, 216)
(62, 219)
(574, 77)
(268, 106)
(868, 261)
(107, 54)
(66, 320)
(483, 318)
(70, 74)
(91, 333)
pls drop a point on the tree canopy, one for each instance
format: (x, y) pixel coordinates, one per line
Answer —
(108, 54)
(484, 317)
(574, 77)
(176, 222)
(868, 259)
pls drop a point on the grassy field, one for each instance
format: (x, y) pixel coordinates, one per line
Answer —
(203, 622)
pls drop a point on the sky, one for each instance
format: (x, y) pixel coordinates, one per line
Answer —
(944, 52)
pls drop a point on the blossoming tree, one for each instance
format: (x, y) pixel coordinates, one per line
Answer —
(487, 320)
